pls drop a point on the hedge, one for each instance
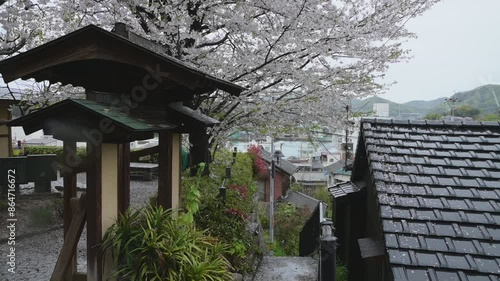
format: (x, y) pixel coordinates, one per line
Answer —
(57, 150)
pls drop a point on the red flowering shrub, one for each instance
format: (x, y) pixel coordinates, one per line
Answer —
(259, 165)
(236, 213)
(242, 190)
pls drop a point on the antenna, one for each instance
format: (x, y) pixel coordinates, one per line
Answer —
(496, 99)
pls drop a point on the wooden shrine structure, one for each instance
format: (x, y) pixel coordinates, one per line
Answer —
(133, 91)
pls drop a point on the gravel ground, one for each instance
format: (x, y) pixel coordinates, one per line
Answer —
(36, 256)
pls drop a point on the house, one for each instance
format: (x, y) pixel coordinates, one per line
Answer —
(339, 171)
(310, 175)
(423, 202)
(300, 200)
(282, 180)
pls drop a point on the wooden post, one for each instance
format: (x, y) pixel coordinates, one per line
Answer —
(169, 170)
(94, 212)
(110, 191)
(5, 132)
(69, 191)
(164, 170)
(69, 184)
(176, 168)
(123, 177)
(110, 177)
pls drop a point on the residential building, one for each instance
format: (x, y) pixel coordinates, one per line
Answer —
(423, 202)
(282, 180)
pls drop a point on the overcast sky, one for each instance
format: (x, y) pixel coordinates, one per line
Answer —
(457, 49)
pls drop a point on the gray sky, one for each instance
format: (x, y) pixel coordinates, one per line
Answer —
(457, 49)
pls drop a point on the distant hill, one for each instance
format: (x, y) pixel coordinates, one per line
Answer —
(425, 105)
(481, 98)
(419, 108)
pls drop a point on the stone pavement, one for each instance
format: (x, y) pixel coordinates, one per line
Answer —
(287, 269)
(36, 256)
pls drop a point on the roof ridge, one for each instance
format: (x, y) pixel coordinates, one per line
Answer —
(444, 123)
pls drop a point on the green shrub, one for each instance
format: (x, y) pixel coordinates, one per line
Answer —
(228, 224)
(150, 244)
(342, 273)
(57, 150)
(289, 221)
(41, 217)
(263, 216)
(241, 171)
(225, 221)
(322, 194)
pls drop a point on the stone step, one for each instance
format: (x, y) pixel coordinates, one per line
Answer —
(287, 269)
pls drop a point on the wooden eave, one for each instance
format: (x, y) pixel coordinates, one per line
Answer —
(96, 59)
(70, 119)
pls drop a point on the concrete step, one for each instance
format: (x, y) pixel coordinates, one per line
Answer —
(287, 269)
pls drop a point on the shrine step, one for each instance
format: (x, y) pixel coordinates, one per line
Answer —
(287, 269)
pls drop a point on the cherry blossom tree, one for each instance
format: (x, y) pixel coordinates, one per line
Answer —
(302, 61)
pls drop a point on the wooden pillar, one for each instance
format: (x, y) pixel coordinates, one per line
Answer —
(69, 182)
(123, 177)
(110, 173)
(110, 178)
(69, 191)
(176, 168)
(94, 212)
(169, 170)
(5, 132)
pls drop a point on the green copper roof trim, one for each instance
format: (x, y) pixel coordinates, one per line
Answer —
(126, 120)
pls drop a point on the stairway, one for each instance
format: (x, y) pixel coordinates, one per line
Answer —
(287, 269)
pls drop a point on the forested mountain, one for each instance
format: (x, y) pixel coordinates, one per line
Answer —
(481, 98)
(396, 109)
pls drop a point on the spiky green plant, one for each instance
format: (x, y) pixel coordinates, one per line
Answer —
(151, 244)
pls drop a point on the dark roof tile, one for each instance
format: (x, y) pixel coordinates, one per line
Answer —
(284, 165)
(439, 196)
(490, 123)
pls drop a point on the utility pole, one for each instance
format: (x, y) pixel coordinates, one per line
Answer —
(346, 137)
(496, 100)
(452, 100)
(271, 200)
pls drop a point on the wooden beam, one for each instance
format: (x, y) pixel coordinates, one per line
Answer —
(68, 250)
(123, 177)
(80, 168)
(135, 155)
(164, 170)
(94, 213)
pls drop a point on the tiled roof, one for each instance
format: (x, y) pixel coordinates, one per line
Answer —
(438, 192)
(284, 165)
(301, 200)
(338, 166)
(344, 189)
